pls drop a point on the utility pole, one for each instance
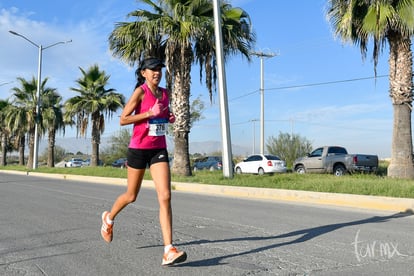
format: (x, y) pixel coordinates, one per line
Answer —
(262, 55)
(254, 135)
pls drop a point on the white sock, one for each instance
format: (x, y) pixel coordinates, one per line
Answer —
(167, 248)
(109, 221)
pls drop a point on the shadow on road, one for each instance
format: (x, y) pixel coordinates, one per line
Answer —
(303, 236)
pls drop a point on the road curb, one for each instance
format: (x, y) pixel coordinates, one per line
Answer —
(344, 200)
(320, 198)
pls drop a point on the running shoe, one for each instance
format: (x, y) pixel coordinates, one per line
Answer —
(174, 257)
(106, 229)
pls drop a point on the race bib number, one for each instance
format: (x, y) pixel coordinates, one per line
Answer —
(158, 126)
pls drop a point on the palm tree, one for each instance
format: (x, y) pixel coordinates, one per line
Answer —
(94, 103)
(383, 21)
(16, 123)
(182, 32)
(52, 117)
(21, 118)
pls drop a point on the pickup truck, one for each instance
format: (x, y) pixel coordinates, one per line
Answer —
(336, 160)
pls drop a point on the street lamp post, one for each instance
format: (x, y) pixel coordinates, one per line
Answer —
(262, 56)
(39, 73)
(224, 112)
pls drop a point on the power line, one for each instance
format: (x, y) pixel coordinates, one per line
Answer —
(311, 84)
(4, 83)
(326, 83)
(245, 95)
(311, 123)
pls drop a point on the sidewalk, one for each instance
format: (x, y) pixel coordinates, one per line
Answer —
(342, 200)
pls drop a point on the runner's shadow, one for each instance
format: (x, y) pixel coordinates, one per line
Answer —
(303, 236)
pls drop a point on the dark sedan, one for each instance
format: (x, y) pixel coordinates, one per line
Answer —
(120, 163)
(211, 163)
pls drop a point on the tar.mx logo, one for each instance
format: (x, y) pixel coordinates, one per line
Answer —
(374, 249)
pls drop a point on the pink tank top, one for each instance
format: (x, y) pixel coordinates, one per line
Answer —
(150, 134)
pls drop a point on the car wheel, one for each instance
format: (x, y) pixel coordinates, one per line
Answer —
(195, 169)
(122, 166)
(260, 171)
(212, 168)
(339, 170)
(238, 170)
(300, 169)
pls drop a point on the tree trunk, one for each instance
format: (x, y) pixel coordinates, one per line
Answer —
(401, 165)
(181, 164)
(94, 154)
(51, 148)
(22, 142)
(400, 62)
(97, 122)
(180, 102)
(3, 161)
(31, 149)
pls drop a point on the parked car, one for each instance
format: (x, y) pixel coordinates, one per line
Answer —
(211, 163)
(261, 164)
(120, 163)
(74, 162)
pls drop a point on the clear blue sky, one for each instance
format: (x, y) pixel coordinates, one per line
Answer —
(311, 86)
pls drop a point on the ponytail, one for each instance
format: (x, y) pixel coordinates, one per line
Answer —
(139, 77)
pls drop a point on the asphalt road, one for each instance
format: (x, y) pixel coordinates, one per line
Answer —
(51, 227)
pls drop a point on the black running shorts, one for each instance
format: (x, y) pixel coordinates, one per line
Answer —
(144, 158)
